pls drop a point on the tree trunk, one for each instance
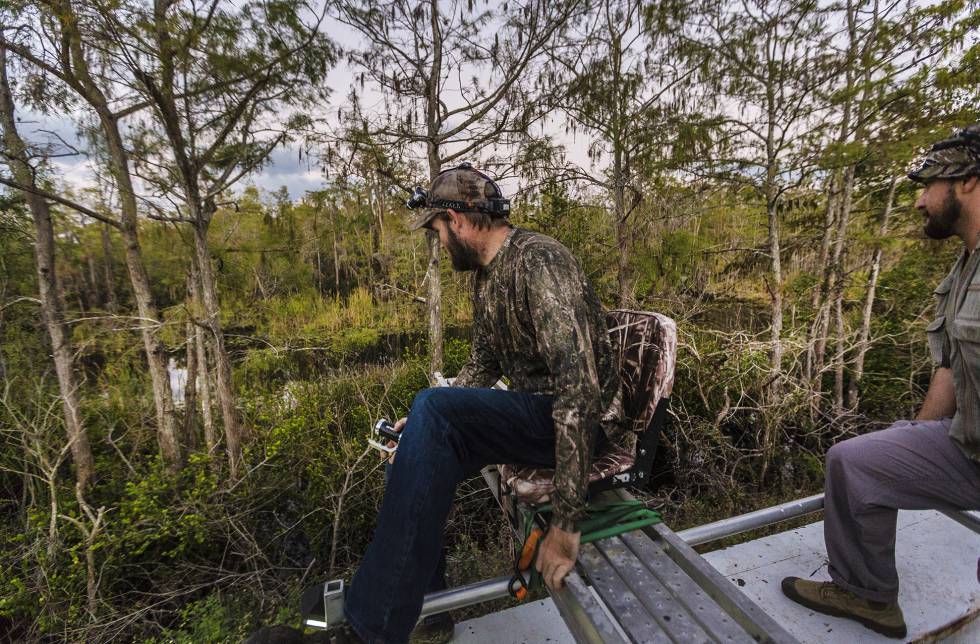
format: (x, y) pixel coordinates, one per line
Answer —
(869, 39)
(380, 206)
(623, 267)
(843, 220)
(336, 259)
(52, 299)
(111, 303)
(771, 191)
(620, 166)
(212, 312)
(775, 260)
(207, 416)
(93, 298)
(819, 330)
(776, 299)
(857, 374)
(204, 372)
(156, 358)
(433, 123)
(190, 392)
(821, 300)
(316, 243)
(840, 248)
(622, 232)
(75, 67)
(826, 240)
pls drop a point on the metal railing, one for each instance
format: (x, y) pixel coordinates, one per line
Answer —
(498, 588)
(790, 510)
(751, 521)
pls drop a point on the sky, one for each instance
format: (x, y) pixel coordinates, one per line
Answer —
(286, 167)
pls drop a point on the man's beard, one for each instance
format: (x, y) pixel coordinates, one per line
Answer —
(940, 225)
(463, 256)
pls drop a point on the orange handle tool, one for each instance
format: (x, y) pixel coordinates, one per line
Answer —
(530, 548)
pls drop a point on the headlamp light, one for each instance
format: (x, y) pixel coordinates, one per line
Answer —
(418, 199)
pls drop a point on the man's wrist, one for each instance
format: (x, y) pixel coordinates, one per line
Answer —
(563, 523)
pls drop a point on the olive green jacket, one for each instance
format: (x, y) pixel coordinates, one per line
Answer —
(954, 342)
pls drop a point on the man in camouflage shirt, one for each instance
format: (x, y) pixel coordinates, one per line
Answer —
(537, 322)
(932, 462)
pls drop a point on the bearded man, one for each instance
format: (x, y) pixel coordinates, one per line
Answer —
(537, 321)
(932, 462)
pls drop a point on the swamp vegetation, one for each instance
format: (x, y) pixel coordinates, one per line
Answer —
(744, 174)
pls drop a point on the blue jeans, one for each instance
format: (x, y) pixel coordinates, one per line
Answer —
(438, 580)
(451, 433)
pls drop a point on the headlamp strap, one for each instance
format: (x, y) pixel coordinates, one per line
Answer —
(499, 207)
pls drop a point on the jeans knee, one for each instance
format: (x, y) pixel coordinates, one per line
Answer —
(431, 423)
(429, 401)
(421, 398)
(429, 413)
(857, 457)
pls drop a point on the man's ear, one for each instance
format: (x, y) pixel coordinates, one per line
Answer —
(455, 219)
(971, 184)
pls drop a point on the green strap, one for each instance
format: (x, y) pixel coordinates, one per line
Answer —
(602, 520)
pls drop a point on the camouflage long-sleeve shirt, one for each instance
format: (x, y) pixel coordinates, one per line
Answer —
(538, 321)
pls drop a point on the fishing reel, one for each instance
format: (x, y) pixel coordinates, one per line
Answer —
(383, 433)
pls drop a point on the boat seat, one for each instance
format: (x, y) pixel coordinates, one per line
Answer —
(645, 348)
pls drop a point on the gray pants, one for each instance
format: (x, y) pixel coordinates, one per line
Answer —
(912, 465)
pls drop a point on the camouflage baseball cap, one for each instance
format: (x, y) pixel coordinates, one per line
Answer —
(464, 189)
(957, 157)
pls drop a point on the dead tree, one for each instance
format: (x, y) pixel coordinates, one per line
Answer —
(17, 156)
(66, 55)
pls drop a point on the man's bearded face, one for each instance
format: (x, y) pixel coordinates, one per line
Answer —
(463, 256)
(940, 221)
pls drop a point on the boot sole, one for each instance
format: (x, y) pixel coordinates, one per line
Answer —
(887, 631)
(436, 629)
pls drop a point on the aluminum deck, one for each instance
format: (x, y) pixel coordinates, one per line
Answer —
(937, 562)
(650, 586)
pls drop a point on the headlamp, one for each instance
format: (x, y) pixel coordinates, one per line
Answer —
(418, 199)
(494, 205)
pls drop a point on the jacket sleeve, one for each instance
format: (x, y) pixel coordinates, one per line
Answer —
(565, 335)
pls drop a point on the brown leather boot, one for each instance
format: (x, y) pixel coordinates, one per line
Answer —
(830, 599)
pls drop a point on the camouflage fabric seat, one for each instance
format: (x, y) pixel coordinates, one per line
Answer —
(646, 350)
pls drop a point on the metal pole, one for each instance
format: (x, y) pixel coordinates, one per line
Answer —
(969, 518)
(768, 516)
(452, 598)
(751, 521)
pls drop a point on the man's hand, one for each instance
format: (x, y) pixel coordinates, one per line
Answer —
(398, 427)
(556, 556)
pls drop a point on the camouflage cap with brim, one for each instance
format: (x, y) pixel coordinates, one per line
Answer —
(462, 188)
(422, 218)
(957, 157)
